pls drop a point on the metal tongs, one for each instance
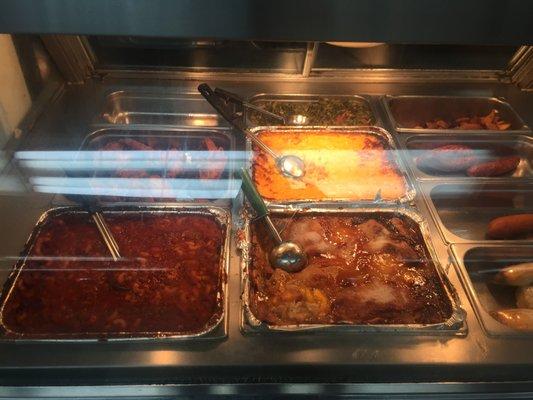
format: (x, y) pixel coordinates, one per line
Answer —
(239, 105)
(89, 204)
(107, 236)
(231, 108)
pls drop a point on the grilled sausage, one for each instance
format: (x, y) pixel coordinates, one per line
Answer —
(516, 318)
(511, 226)
(448, 158)
(494, 168)
(515, 275)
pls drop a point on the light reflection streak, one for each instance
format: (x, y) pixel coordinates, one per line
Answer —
(92, 161)
(73, 258)
(154, 162)
(138, 187)
(116, 266)
(126, 154)
(105, 269)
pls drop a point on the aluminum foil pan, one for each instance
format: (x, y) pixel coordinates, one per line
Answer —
(217, 328)
(407, 198)
(455, 325)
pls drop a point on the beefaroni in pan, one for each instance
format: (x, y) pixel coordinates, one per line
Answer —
(169, 281)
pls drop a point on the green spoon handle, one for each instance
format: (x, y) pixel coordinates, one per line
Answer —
(252, 194)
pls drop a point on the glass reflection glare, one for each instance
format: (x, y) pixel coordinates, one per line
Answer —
(132, 187)
(153, 174)
(292, 166)
(299, 119)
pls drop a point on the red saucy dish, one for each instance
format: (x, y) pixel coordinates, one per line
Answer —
(170, 282)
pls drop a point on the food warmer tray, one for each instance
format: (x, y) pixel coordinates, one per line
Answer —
(139, 107)
(403, 111)
(216, 330)
(454, 325)
(381, 133)
(463, 209)
(520, 145)
(471, 260)
(350, 364)
(226, 185)
(366, 100)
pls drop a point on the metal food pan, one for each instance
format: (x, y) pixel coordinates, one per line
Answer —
(455, 325)
(463, 210)
(408, 111)
(216, 330)
(371, 130)
(157, 108)
(310, 98)
(487, 147)
(471, 260)
(224, 187)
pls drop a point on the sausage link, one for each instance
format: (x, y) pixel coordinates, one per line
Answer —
(494, 168)
(448, 158)
(510, 226)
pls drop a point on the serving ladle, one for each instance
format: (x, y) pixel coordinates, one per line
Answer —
(286, 255)
(231, 108)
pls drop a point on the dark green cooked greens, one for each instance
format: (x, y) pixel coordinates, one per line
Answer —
(323, 111)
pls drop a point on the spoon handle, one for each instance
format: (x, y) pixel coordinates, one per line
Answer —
(253, 196)
(258, 204)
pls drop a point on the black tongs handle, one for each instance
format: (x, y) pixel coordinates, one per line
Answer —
(230, 109)
(232, 97)
(234, 104)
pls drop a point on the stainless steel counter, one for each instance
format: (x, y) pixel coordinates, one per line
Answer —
(369, 362)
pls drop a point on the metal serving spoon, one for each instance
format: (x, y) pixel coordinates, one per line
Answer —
(230, 107)
(286, 255)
